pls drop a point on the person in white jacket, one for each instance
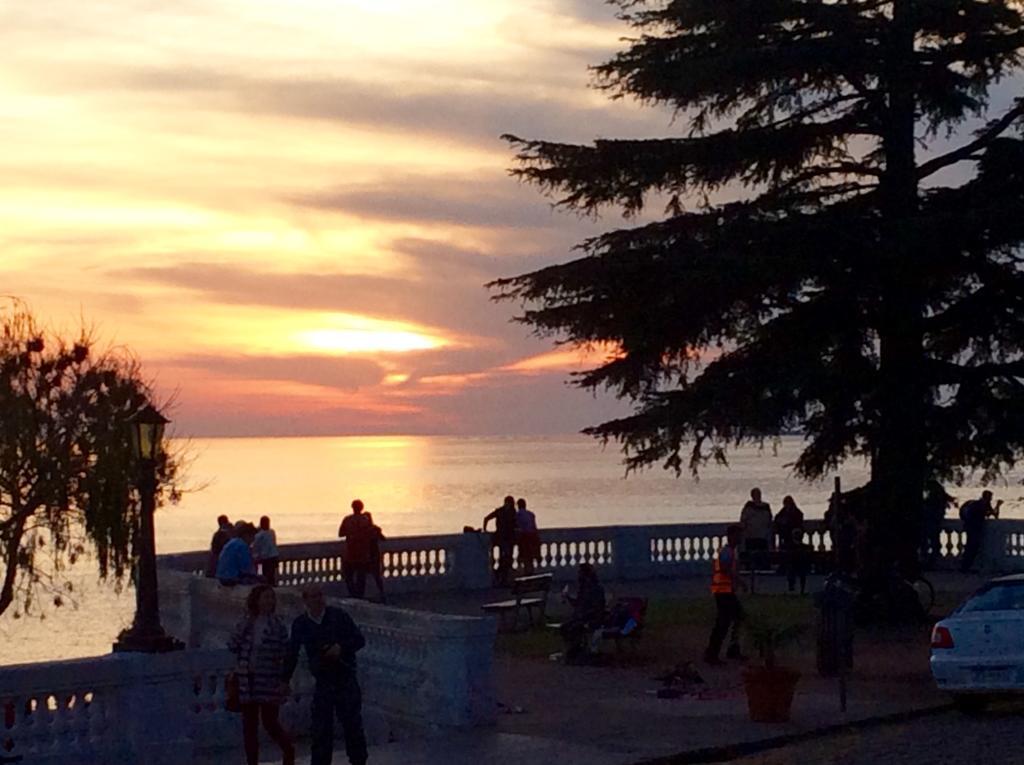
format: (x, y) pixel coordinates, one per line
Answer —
(264, 551)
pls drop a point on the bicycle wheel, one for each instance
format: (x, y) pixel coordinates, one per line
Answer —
(925, 593)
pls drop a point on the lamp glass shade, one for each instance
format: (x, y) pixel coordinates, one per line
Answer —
(148, 433)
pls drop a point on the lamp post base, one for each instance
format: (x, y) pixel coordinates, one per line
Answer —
(148, 641)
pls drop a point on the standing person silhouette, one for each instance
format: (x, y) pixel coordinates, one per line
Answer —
(756, 520)
(264, 551)
(375, 567)
(527, 536)
(788, 521)
(504, 538)
(357, 531)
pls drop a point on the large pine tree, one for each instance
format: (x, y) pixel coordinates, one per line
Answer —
(840, 250)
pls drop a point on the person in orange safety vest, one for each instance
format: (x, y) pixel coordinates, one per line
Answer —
(725, 582)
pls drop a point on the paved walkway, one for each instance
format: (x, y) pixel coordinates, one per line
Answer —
(995, 738)
(610, 715)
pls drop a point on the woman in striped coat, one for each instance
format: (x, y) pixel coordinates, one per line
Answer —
(260, 643)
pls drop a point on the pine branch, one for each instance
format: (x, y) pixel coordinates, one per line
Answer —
(968, 151)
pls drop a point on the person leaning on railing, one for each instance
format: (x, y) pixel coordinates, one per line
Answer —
(235, 564)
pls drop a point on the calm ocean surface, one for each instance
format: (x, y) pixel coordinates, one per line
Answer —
(420, 485)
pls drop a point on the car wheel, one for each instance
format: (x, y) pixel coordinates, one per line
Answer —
(970, 704)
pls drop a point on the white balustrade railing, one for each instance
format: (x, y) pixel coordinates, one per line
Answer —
(465, 561)
(408, 563)
(163, 709)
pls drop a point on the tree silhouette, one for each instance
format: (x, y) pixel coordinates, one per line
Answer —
(67, 472)
(840, 250)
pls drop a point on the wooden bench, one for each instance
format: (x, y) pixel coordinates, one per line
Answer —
(528, 593)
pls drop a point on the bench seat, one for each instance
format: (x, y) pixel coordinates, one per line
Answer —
(529, 592)
(507, 605)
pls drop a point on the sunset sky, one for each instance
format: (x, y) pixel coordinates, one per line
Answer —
(288, 209)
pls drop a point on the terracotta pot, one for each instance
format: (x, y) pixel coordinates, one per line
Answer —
(770, 692)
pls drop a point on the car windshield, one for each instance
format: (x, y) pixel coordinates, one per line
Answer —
(996, 597)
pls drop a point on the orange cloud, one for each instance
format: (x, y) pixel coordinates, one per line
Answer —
(567, 359)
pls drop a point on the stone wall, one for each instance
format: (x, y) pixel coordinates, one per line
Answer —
(419, 670)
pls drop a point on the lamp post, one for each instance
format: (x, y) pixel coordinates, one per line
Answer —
(146, 635)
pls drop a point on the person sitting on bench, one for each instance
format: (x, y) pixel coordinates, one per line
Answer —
(588, 613)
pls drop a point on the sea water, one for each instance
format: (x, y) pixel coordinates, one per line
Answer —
(421, 485)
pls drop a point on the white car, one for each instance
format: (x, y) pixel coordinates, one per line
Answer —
(978, 650)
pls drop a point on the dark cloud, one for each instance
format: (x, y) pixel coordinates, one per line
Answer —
(462, 306)
(598, 11)
(494, 201)
(529, 405)
(469, 107)
(332, 372)
(504, 404)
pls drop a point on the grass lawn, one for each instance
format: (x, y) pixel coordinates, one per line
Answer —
(677, 629)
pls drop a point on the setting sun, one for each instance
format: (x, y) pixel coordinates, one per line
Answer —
(366, 341)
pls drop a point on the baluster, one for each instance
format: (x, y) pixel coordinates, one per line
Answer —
(94, 725)
(75, 717)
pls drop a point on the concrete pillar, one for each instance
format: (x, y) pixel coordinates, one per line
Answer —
(632, 553)
(992, 557)
(472, 564)
(157, 699)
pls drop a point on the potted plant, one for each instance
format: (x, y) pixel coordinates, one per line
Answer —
(769, 686)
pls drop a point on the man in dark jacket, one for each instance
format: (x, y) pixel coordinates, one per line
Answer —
(330, 639)
(225, 533)
(357, 531)
(974, 514)
(504, 538)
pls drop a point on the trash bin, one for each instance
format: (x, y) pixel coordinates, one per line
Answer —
(835, 626)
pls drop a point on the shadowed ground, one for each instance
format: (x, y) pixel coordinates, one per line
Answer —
(550, 712)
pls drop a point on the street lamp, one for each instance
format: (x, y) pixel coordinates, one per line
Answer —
(146, 634)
